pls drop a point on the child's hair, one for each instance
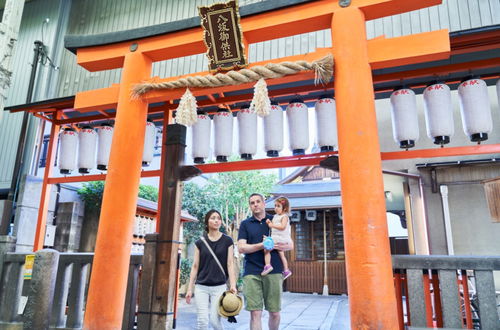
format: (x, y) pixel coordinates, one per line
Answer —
(208, 215)
(284, 203)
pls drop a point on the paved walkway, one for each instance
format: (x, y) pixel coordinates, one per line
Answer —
(300, 312)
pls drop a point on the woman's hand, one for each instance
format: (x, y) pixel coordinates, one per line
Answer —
(233, 289)
(189, 294)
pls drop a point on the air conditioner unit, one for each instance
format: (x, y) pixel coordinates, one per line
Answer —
(311, 215)
(295, 216)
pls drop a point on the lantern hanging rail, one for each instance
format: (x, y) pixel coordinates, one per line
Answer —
(298, 161)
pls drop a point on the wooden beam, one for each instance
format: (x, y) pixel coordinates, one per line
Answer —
(415, 48)
(43, 207)
(105, 98)
(443, 152)
(308, 17)
(437, 71)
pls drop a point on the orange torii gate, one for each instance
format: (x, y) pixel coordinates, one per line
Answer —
(369, 272)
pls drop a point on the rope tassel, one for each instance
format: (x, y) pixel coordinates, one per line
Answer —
(261, 104)
(186, 112)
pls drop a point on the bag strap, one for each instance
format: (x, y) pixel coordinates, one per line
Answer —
(213, 254)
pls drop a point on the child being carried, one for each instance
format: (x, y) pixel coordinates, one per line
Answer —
(280, 233)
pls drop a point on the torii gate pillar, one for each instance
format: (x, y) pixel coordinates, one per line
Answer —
(108, 282)
(372, 299)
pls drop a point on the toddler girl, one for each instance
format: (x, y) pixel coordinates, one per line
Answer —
(280, 233)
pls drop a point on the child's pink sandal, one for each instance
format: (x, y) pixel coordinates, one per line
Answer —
(267, 270)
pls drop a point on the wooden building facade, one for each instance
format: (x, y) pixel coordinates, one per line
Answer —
(318, 260)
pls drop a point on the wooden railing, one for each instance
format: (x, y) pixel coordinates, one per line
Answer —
(446, 291)
(66, 297)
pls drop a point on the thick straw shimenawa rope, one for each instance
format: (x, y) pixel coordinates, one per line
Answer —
(323, 69)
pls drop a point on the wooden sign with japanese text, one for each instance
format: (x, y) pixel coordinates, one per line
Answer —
(222, 36)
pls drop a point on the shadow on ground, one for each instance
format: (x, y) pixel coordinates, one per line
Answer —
(299, 312)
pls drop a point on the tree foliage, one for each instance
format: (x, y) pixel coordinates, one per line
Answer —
(91, 193)
(228, 193)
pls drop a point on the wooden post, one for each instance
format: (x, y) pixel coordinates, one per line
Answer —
(325, 266)
(372, 298)
(46, 187)
(165, 279)
(108, 282)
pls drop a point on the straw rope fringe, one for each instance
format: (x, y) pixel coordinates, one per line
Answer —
(323, 69)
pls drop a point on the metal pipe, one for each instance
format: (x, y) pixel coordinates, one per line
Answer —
(9, 205)
(447, 221)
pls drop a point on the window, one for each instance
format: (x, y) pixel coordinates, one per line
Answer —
(310, 237)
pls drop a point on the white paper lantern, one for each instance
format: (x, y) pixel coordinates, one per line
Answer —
(273, 131)
(247, 132)
(298, 126)
(105, 137)
(87, 143)
(149, 143)
(67, 150)
(475, 109)
(438, 113)
(223, 131)
(201, 138)
(136, 226)
(142, 226)
(404, 117)
(326, 123)
(153, 225)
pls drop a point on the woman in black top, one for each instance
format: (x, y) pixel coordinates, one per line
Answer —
(208, 276)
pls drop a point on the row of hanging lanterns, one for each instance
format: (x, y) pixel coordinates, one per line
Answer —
(144, 225)
(90, 148)
(298, 126)
(475, 111)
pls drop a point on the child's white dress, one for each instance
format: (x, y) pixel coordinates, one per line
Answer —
(281, 236)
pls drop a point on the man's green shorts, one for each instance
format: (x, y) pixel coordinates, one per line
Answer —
(263, 291)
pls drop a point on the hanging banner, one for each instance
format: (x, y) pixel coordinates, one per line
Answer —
(223, 36)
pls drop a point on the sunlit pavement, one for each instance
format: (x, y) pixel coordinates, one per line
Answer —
(300, 311)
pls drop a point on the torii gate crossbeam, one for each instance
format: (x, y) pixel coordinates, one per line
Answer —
(370, 283)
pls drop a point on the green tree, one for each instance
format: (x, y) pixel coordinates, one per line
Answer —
(228, 193)
(91, 193)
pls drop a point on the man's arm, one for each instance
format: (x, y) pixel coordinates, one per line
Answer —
(244, 247)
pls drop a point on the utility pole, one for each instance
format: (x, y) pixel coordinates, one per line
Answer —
(9, 29)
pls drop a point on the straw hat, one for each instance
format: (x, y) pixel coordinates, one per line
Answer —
(230, 304)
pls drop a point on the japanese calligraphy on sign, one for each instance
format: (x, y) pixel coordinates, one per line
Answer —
(223, 37)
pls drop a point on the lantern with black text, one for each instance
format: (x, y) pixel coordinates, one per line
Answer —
(326, 123)
(87, 143)
(475, 109)
(149, 143)
(247, 132)
(105, 137)
(201, 138)
(273, 130)
(438, 113)
(67, 150)
(223, 132)
(404, 117)
(298, 126)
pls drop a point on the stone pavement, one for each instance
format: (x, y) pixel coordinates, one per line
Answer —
(300, 312)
